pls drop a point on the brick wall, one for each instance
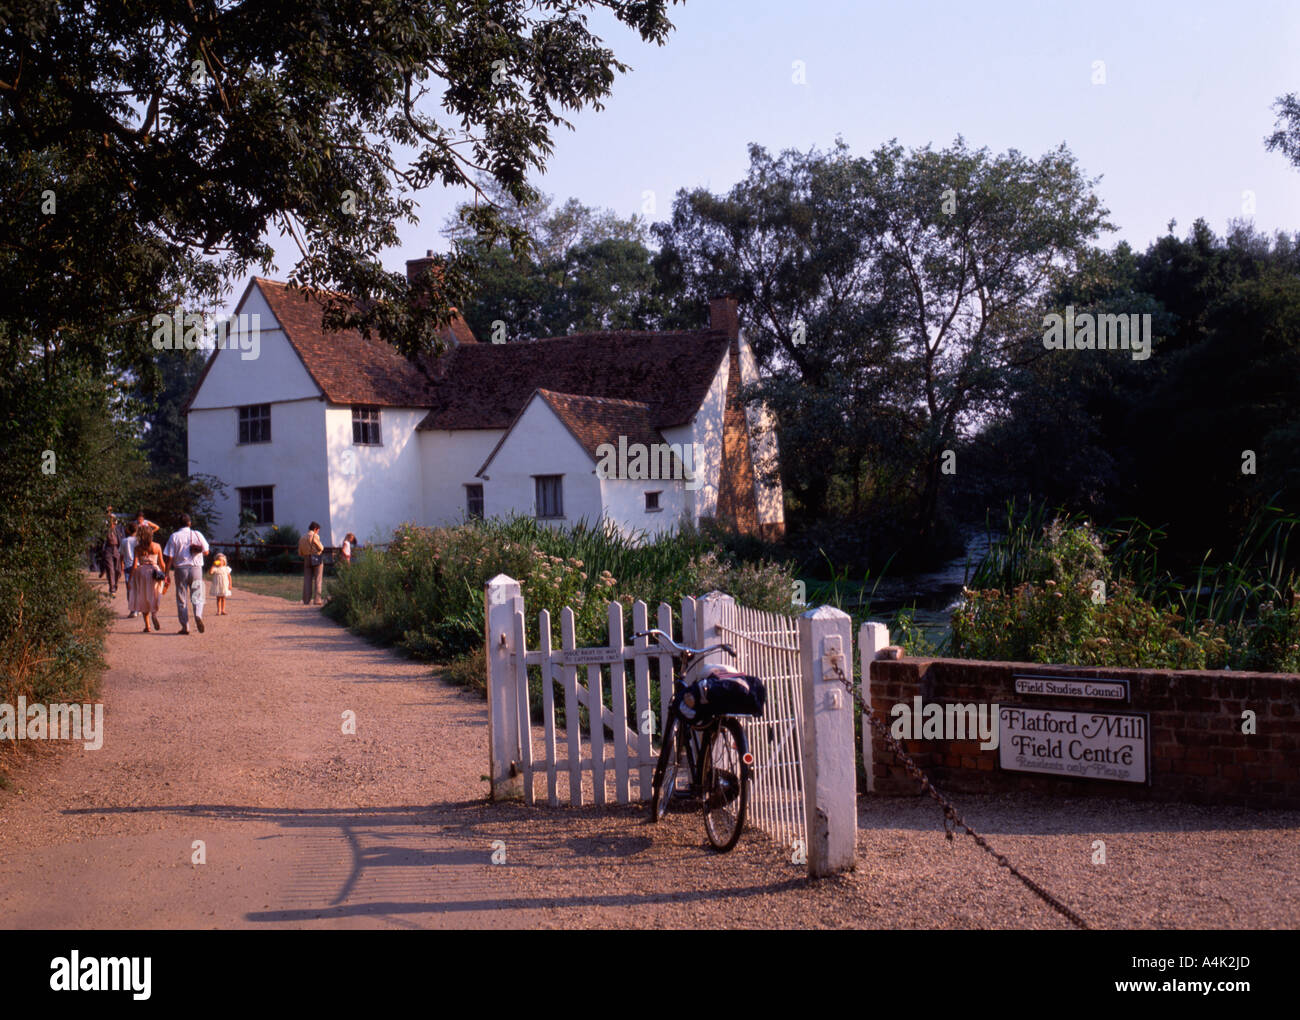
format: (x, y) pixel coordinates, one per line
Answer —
(1198, 751)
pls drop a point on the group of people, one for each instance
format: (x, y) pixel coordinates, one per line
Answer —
(150, 569)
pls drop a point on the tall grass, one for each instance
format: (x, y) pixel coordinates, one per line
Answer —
(424, 593)
(1260, 570)
(1243, 612)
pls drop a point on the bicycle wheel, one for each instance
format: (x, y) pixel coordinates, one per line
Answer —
(665, 781)
(725, 785)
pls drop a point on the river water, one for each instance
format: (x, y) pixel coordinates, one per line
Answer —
(934, 594)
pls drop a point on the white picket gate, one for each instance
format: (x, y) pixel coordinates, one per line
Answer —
(767, 646)
(803, 791)
(581, 763)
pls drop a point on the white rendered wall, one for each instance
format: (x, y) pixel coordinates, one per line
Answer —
(625, 505)
(294, 461)
(372, 488)
(705, 430)
(450, 461)
(276, 374)
(539, 444)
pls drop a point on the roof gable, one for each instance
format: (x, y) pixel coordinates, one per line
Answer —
(349, 368)
(278, 371)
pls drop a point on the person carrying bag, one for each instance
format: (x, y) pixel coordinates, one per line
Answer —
(312, 551)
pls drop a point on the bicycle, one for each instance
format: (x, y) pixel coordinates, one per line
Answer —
(703, 729)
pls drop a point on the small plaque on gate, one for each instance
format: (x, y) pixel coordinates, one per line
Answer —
(590, 656)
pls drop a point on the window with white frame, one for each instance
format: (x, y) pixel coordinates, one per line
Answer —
(550, 495)
(365, 426)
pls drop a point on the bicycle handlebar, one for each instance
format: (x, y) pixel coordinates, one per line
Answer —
(664, 639)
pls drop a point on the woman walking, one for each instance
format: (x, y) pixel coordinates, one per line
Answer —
(147, 578)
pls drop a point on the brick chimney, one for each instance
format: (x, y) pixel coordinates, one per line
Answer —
(415, 267)
(456, 331)
(724, 315)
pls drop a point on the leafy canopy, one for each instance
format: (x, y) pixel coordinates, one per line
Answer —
(174, 135)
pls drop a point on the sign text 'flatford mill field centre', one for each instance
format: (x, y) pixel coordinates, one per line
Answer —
(1082, 745)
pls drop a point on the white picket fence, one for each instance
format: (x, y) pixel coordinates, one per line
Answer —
(804, 787)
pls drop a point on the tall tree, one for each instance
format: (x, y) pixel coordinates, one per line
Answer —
(580, 269)
(175, 135)
(889, 294)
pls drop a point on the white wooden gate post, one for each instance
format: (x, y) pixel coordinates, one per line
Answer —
(708, 617)
(829, 765)
(502, 599)
(871, 638)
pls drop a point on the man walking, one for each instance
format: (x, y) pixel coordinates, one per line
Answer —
(183, 555)
(128, 564)
(112, 551)
(312, 551)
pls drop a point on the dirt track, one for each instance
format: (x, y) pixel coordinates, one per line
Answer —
(234, 738)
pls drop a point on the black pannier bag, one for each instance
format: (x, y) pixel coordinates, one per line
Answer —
(723, 692)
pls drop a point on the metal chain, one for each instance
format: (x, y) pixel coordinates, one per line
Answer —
(950, 816)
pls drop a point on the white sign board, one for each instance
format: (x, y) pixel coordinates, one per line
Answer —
(1078, 745)
(590, 656)
(1073, 687)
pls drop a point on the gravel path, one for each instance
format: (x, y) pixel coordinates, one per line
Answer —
(235, 738)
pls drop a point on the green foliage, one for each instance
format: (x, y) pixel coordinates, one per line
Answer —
(51, 623)
(1164, 439)
(912, 638)
(1057, 624)
(888, 319)
(162, 410)
(1065, 599)
(274, 550)
(424, 594)
(171, 141)
(584, 270)
(1272, 642)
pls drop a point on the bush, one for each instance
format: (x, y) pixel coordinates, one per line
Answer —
(1064, 626)
(424, 594)
(1071, 606)
(1272, 644)
(65, 460)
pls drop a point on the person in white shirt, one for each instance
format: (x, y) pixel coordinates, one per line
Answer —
(184, 556)
(128, 559)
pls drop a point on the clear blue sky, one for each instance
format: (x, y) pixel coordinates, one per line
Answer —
(1175, 132)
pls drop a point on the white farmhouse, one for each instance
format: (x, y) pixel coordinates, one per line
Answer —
(639, 428)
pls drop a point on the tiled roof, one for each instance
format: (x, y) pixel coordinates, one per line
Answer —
(349, 368)
(484, 386)
(595, 421)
